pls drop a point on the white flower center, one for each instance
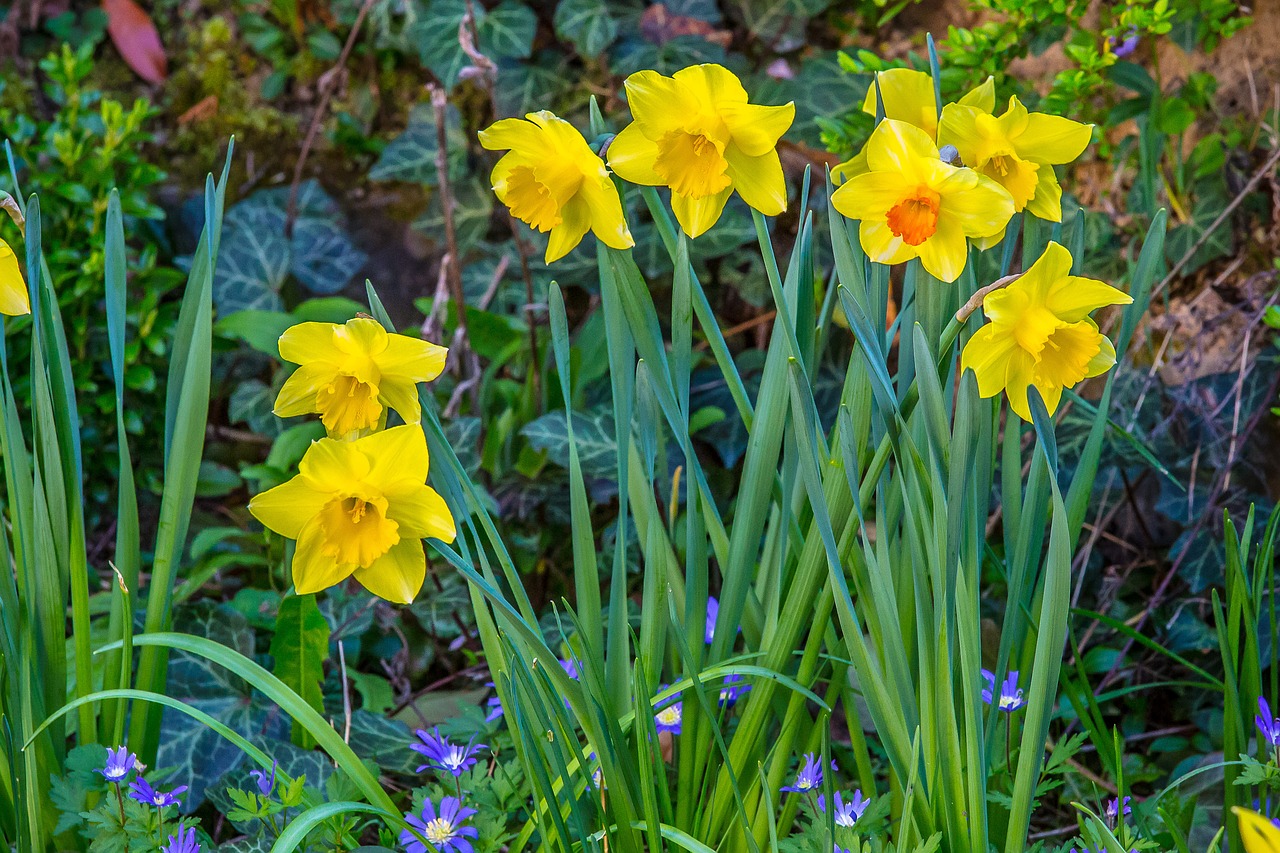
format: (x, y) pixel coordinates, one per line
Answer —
(439, 830)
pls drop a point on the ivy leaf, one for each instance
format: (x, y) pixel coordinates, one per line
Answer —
(261, 330)
(780, 24)
(436, 36)
(473, 206)
(300, 647)
(523, 86)
(507, 31)
(253, 260)
(593, 434)
(252, 404)
(586, 23)
(383, 741)
(324, 258)
(411, 156)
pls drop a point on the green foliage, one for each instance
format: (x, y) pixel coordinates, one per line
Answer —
(300, 646)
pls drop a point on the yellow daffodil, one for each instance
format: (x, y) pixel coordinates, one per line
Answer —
(1018, 150)
(13, 290)
(695, 133)
(351, 374)
(909, 97)
(360, 508)
(914, 205)
(1039, 333)
(1259, 834)
(553, 181)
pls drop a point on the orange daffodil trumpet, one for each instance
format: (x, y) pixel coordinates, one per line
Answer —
(1017, 150)
(1259, 834)
(551, 180)
(351, 374)
(14, 300)
(360, 508)
(696, 133)
(1039, 334)
(913, 205)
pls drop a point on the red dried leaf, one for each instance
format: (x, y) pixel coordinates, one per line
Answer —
(135, 36)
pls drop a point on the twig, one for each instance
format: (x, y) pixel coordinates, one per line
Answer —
(346, 693)
(328, 82)
(740, 328)
(976, 300)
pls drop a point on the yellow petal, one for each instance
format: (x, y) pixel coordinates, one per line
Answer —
(1065, 360)
(869, 195)
(981, 208)
(397, 575)
(14, 300)
(908, 97)
(1053, 265)
(574, 222)
(945, 254)
(982, 96)
(1052, 139)
(333, 466)
(1021, 375)
(959, 127)
(1047, 202)
(1073, 298)
(510, 133)
(402, 396)
(298, 394)
(411, 358)
(756, 128)
(632, 155)
(1259, 834)
(697, 215)
(758, 180)
(394, 456)
(882, 245)
(850, 168)
(604, 209)
(306, 342)
(1104, 360)
(288, 507)
(313, 569)
(710, 84)
(421, 513)
(896, 146)
(658, 104)
(988, 354)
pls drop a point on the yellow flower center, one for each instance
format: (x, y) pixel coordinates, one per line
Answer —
(692, 164)
(530, 200)
(356, 530)
(438, 830)
(1016, 175)
(347, 405)
(1064, 361)
(915, 218)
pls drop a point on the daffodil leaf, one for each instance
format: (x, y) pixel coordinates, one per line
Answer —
(507, 31)
(300, 647)
(586, 23)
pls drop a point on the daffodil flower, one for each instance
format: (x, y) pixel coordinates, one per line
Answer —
(1040, 334)
(13, 290)
(551, 180)
(360, 508)
(914, 205)
(695, 133)
(1018, 150)
(351, 374)
(1259, 834)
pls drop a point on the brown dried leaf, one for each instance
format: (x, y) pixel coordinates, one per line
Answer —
(660, 26)
(135, 36)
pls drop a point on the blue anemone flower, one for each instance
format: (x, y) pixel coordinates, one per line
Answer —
(140, 790)
(266, 781)
(847, 813)
(183, 842)
(443, 755)
(810, 776)
(1010, 698)
(444, 829)
(119, 762)
(1268, 724)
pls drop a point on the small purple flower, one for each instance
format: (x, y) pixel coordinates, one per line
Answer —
(1122, 47)
(183, 842)
(839, 849)
(494, 704)
(713, 612)
(670, 718)
(1010, 698)
(846, 813)
(571, 668)
(444, 829)
(119, 763)
(1114, 805)
(734, 686)
(810, 776)
(140, 790)
(443, 755)
(266, 781)
(1268, 724)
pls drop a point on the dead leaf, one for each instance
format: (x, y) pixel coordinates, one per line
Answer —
(659, 25)
(134, 35)
(204, 109)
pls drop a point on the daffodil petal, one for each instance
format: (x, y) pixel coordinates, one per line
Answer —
(1259, 834)
(298, 394)
(980, 211)
(313, 569)
(14, 300)
(331, 465)
(869, 195)
(713, 85)
(1073, 297)
(412, 358)
(631, 156)
(908, 97)
(421, 513)
(756, 128)
(1020, 377)
(1052, 139)
(896, 146)
(988, 354)
(403, 398)
(945, 254)
(982, 96)
(288, 507)
(605, 212)
(395, 455)
(510, 133)
(850, 168)
(306, 342)
(574, 224)
(658, 104)
(1047, 202)
(882, 245)
(759, 180)
(1050, 268)
(959, 127)
(697, 215)
(397, 575)
(1104, 360)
